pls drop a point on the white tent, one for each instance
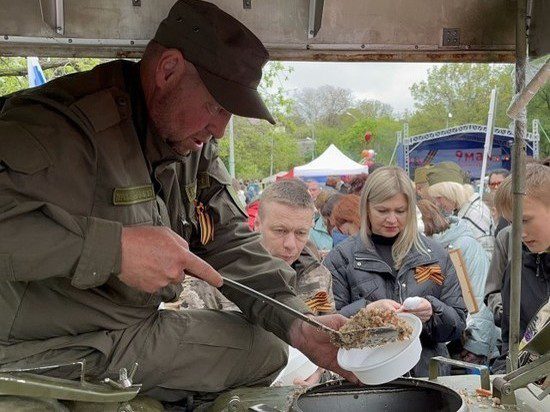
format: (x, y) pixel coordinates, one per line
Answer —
(331, 163)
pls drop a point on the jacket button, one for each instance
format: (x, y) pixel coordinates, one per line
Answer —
(358, 263)
(121, 101)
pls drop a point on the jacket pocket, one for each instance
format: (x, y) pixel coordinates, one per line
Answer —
(365, 289)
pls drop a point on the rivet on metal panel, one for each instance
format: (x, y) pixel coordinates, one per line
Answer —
(451, 37)
(247, 4)
(136, 3)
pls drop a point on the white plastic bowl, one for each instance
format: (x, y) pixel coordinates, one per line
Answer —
(298, 366)
(382, 364)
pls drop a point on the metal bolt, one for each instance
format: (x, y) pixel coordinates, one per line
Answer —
(123, 378)
(234, 404)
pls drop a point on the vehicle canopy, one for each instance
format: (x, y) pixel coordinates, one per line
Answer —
(314, 30)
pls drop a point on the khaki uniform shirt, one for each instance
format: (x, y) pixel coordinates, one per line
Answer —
(73, 172)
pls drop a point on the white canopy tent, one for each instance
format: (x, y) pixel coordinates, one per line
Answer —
(331, 163)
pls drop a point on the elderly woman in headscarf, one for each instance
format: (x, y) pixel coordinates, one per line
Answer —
(390, 261)
(448, 190)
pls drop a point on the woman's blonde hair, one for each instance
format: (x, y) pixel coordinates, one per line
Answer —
(383, 184)
(457, 193)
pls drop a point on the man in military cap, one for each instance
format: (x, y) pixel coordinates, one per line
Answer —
(421, 181)
(111, 191)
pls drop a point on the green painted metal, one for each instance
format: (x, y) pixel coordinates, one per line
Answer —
(38, 386)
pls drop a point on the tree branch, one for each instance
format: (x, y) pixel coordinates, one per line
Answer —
(22, 70)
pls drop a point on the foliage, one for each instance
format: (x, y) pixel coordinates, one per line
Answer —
(254, 143)
(309, 120)
(323, 104)
(351, 140)
(539, 108)
(14, 70)
(272, 90)
(463, 91)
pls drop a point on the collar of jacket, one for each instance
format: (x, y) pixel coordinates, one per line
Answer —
(456, 230)
(375, 263)
(156, 150)
(306, 262)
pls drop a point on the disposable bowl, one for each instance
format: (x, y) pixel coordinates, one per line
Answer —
(382, 364)
(298, 366)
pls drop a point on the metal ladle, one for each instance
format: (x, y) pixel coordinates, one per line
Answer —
(369, 337)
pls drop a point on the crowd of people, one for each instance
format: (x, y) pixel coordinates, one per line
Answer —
(375, 237)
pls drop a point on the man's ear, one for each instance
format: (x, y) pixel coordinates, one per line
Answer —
(257, 223)
(170, 68)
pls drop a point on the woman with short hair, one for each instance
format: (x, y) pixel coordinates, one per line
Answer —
(389, 261)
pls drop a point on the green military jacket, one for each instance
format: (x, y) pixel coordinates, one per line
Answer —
(72, 174)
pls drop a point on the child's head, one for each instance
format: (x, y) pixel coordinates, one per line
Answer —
(536, 206)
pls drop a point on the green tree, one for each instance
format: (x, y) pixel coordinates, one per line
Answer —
(13, 70)
(539, 108)
(256, 140)
(464, 91)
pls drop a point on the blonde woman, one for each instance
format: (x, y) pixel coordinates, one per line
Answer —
(459, 199)
(390, 261)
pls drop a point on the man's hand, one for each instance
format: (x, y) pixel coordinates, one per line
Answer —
(424, 310)
(316, 345)
(155, 256)
(384, 304)
(311, 380)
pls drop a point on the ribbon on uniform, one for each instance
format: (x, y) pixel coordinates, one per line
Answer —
(433, 273)
(205, 223)
(320, 303)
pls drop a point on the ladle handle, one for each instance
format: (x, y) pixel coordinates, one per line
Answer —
(275, 303)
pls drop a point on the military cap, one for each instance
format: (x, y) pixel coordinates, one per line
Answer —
(445, 172)
(420, 174)
(227, 55)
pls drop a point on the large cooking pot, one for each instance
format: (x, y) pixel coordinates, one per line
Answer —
(400, 395)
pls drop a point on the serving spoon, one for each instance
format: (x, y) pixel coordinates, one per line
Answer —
(368, 337)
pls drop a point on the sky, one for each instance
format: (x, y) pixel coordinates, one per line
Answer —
(387, 82)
